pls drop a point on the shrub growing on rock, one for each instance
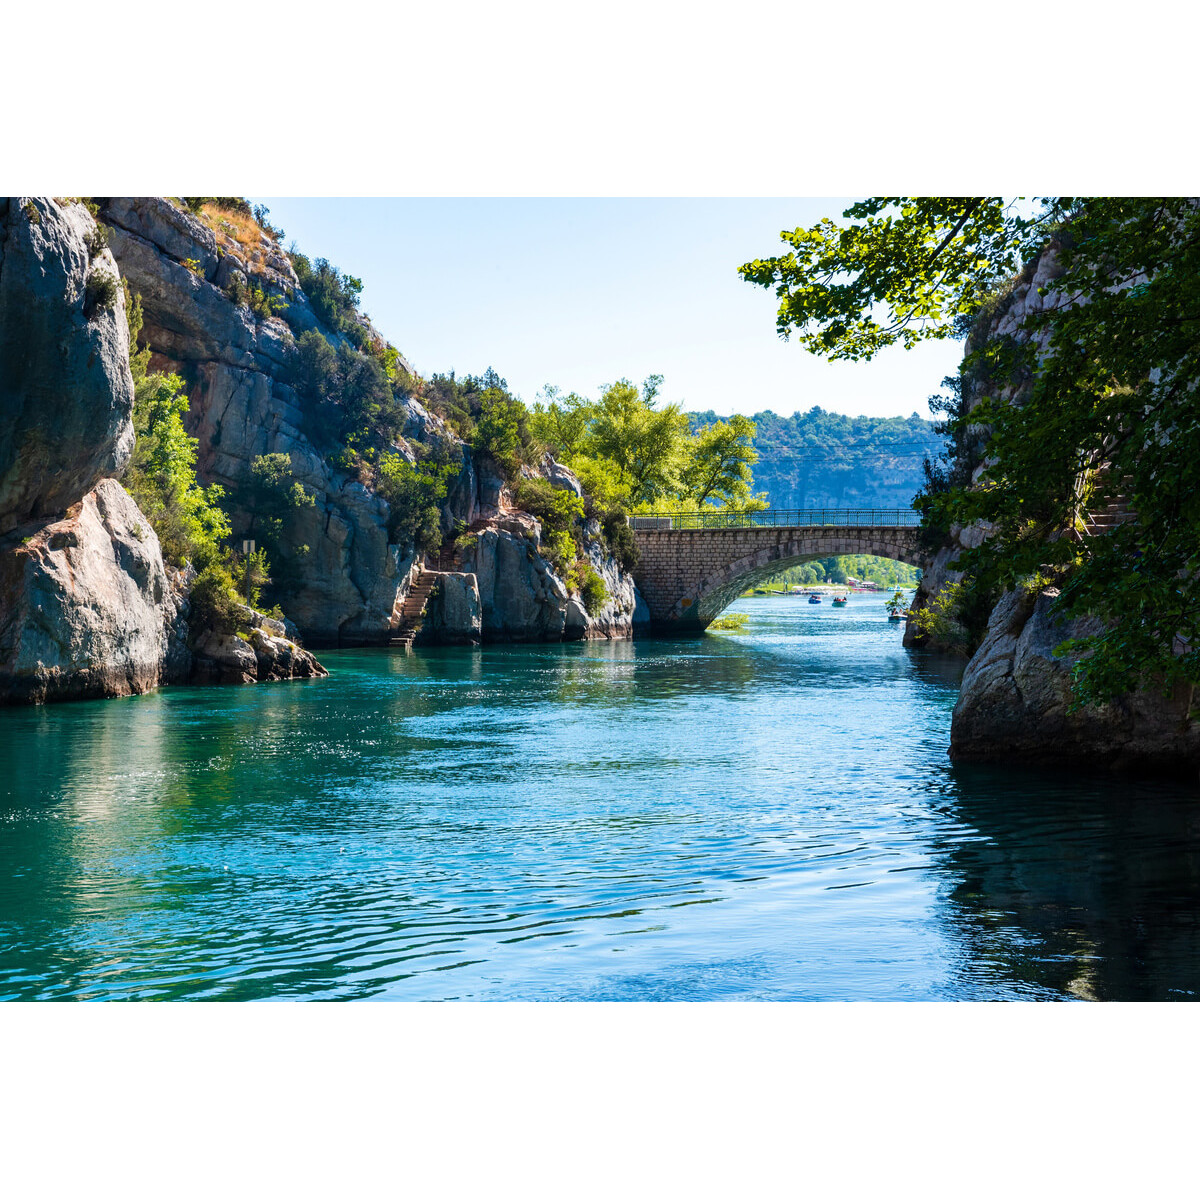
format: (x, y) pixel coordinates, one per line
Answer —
(560, 549)
(334, 296)
(556, 508)
(97, 241)
(100, 293)
(414, 492)
(593, 591)
(620, 540)
(502, 431)
(161, 476)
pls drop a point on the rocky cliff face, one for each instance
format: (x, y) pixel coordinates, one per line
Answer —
(242, 406)
(522, 598)
(1015, 700)
(66, 393)
(1016, 694)
(87, 607)
(350, 576)
(1032, 293)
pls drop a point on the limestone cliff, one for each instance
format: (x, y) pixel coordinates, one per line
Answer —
(348, 574)
(66, 393)
(523, 599)
(242, 405)
(87, 606)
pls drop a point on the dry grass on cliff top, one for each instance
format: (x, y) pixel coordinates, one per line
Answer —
(237, 230)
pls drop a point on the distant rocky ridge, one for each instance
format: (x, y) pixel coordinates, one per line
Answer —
(819, 459)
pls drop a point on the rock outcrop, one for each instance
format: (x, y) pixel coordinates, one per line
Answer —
(1031, 293)
(261, 656)
(347, 572)
(86, 607)
(455, 614)
(1016, 696)
(1015, 700)
(523, 599)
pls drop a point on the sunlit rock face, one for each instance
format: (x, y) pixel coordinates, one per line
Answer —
(66, 394)
(347, 571)
(87, 609)
(523, 599)
(86, 606)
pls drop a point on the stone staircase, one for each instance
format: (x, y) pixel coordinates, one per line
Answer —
(1115, 509)
(412, 611)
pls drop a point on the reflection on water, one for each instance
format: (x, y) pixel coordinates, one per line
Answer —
(730, 817)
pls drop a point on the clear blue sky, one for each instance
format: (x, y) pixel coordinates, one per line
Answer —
(578, 293)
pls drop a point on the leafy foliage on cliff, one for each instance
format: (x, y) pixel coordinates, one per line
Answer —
(1107, 372)
(161, 476)
(274, 495)
(347, 397)
(333, 295)
(414, 492)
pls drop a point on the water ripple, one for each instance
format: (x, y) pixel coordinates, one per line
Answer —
(769, 816)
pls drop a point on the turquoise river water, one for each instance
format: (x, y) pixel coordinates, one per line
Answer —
(768, 815)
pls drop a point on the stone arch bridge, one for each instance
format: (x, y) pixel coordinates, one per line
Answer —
(695, 564)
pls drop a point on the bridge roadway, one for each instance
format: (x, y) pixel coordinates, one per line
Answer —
(693, 565)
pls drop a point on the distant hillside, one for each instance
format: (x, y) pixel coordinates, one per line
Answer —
(820, 459)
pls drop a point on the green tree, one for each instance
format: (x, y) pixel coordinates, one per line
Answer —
(414, 492)
(561, 422)
(902, 270)
(334, 296)
(274, 492)
(718, 464)
(645, 444)
(502, 432)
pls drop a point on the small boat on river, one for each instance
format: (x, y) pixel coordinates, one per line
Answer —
(840, 601)
(813, 598)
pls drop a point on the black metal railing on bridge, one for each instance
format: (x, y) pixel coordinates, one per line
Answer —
(774, 517)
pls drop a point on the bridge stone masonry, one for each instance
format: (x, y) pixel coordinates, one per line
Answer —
(693, 565)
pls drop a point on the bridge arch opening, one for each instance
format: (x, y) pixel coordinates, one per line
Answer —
(720, 589)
